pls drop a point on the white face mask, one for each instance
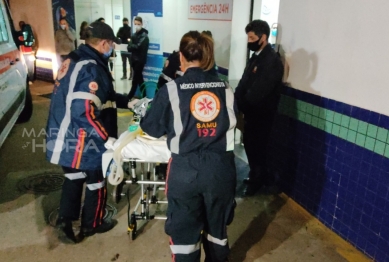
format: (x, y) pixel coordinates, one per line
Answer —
(63, 27)
(138, 27)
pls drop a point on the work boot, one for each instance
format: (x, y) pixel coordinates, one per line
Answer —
(104, 227)
(65, 225)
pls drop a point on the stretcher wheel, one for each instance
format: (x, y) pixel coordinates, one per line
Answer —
(132, 227)
(134, 233)
(117, 193)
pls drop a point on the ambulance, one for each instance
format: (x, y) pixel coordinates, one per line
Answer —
(15, 96)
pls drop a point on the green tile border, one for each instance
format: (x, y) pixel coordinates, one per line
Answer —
(353, 130)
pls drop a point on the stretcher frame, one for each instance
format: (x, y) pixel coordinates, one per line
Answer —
(149, 187)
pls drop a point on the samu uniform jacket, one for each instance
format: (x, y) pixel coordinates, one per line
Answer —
(82, 111)
(191, 111)
(139, 46)
(196, 111)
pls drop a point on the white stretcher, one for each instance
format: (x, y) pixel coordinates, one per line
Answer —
(139, 146)
(133, 147)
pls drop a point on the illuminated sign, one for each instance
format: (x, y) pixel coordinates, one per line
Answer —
(210, 10)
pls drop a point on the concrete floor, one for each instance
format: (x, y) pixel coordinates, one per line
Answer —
(265, 228)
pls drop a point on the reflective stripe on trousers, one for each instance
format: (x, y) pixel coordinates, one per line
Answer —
(96, 186)
(220, 242)
(74, 176)
(185, 249)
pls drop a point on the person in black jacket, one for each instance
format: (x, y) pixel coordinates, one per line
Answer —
(171, 70)
(124, 34)
(139, 46)
(257, 96)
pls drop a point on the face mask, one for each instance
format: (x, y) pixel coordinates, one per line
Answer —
(138, 27)
(63, 27)
(108, 54)
(253, 46)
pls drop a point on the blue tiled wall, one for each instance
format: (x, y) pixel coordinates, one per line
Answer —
(344, 184)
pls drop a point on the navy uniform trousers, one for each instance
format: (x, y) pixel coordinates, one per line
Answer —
(95, 197)
(256, 139)
(200, 192)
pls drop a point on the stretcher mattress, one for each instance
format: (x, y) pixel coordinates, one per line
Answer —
(142, 147)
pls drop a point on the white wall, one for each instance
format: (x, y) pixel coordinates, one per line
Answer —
(116, 15)
(91, 10)
(238, 54)
(269, 10)
(257, 7)
(176, 24)
(127, 9)
(88, 10)
(338, 49)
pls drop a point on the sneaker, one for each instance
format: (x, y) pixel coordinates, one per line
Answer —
(104, 227)
(66, 227)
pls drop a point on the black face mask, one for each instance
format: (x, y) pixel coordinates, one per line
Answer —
(253, 46)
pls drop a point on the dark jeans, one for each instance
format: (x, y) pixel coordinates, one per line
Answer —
(125, 57)
(137, 80)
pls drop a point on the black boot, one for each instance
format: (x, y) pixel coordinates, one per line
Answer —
(65, 225)
(104, 227)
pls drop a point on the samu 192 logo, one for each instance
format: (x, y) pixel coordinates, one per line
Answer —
(205, 106)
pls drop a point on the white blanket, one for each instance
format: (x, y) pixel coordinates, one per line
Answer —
(142, 147)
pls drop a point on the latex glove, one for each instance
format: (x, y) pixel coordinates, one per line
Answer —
(132, 103)
(110, 142)
(140, 108)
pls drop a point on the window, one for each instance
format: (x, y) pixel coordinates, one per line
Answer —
(3, 28)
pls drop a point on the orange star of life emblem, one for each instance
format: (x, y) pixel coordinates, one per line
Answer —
(93, 86)
(64, 69)
(205, 106)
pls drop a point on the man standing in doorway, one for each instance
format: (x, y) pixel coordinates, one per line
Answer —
(257, 96)
(138, 46)
(124, 34)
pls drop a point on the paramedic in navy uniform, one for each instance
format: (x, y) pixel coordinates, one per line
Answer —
(81, 118)
(196, 112)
